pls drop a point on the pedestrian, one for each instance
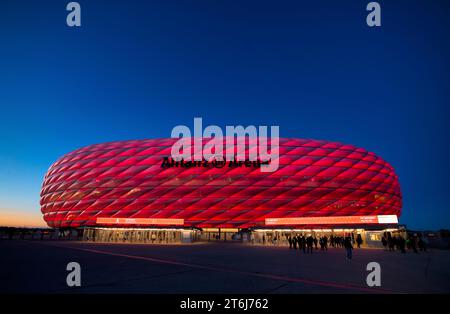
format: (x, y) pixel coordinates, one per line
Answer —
(359, 240)
(391, 242)
(421, 244)
(309, 243)
(303, 243)
(348, 247)
(414, 243)
(401, 244)
(384, 242)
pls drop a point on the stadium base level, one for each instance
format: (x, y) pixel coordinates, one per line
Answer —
(371, 235)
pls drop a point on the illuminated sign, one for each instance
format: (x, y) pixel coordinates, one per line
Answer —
(170, 163)
(334, 220)
(139, 221)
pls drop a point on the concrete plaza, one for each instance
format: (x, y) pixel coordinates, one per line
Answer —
(40, 267)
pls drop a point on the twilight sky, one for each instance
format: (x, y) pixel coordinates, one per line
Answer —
(135, 69)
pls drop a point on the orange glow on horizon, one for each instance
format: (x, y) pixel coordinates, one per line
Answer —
(21, 218)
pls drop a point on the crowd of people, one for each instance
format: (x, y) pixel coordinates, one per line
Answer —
(302, 242)
(412, 242)
(308, 243)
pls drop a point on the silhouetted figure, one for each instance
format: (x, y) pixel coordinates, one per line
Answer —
(303, 243)
(414, 243)
(359, 240)
(315, 243)
(309, 243)
(348, 247)
(395, 243)
(290, 242)
(422, 245)
(408, 243)
(391, 242)
(384, 242)
(401, 244)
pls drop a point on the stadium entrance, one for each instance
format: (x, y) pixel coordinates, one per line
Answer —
(279, 237)
(270, 237)
(140, 235)
(220, 235)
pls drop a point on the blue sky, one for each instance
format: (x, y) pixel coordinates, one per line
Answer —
(135, 69)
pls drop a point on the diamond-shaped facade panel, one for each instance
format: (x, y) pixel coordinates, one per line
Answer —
(126, 180)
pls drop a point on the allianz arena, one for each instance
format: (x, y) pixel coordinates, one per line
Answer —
(123, 186)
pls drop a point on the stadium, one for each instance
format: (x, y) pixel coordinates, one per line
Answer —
(121, 192)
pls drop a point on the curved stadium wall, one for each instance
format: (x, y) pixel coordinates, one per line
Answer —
(124, 182)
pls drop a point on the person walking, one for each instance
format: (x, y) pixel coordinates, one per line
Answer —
(414, 243)
(421, 244)
(290, 242)
(359, 240)
(309, 242)
(303, 243)
(384, 242)
(390, 243)
(348, 247)
(401, 244)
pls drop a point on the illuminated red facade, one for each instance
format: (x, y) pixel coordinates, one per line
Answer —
(122, 182)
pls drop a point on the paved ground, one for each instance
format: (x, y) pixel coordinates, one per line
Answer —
(40, 267)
